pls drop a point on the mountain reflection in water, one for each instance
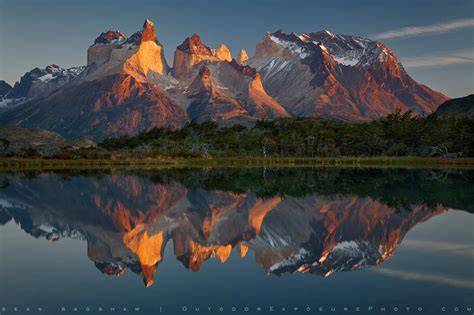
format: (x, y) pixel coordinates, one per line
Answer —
(311, 220)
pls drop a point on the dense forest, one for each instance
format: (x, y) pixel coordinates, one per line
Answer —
(395, 135)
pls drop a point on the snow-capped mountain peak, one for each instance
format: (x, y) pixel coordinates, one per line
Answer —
(350, 50)
(344, 49)
(41, 81)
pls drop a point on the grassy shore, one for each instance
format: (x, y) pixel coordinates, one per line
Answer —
(165, 162)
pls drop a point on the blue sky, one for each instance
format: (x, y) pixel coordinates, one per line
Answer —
(439, 53)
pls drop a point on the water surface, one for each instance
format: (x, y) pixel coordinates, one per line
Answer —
(167, 240)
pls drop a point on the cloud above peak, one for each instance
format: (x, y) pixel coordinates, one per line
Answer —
(463, 56)
(439, 28)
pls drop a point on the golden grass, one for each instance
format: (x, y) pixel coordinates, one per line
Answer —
(165, 162)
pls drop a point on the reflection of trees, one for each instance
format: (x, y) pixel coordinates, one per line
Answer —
(4, 146)
(394, 187)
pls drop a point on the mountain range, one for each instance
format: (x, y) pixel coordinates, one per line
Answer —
(127, 85)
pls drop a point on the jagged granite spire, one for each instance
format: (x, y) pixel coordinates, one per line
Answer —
(148, 32)
(242, 56)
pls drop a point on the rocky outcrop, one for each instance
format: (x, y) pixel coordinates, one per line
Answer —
(4, 88)
(222, 53)
(209, 103)
(25, 142)
(141, 55)
(149, 56)
(242, 56)
(192, 52)
(148, 34)
(100, 52)
(238, 97)
(110, 37)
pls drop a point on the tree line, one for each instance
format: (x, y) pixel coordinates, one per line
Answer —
(395, 135)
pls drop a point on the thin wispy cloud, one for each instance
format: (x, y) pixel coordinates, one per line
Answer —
(428, 277)
(465, 56)
(424, 30)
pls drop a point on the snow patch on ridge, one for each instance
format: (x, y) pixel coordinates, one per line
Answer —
(346, 245)
(344, 49)
(346, 60)
(329, 33)
(46, 77)
(8, 204)
(302, 52)
(47, 228)
(358, 253)
(291, 260)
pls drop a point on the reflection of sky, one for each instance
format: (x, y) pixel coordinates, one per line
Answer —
(36, 33)
(452, 248)
(421, 276)
(438, 244)
(46, 273)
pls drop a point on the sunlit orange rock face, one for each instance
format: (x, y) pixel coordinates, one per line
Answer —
(259, 210)
(128, 220)
(148, 33)
(242, 56)
(148, 250)
(138, 56)
(243, 249)
(200, 253)
(192, 52)
(149, 58)
(223, 53)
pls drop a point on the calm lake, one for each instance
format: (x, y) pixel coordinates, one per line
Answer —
(172, 241)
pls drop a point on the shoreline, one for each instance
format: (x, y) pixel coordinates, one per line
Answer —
(180, 162)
